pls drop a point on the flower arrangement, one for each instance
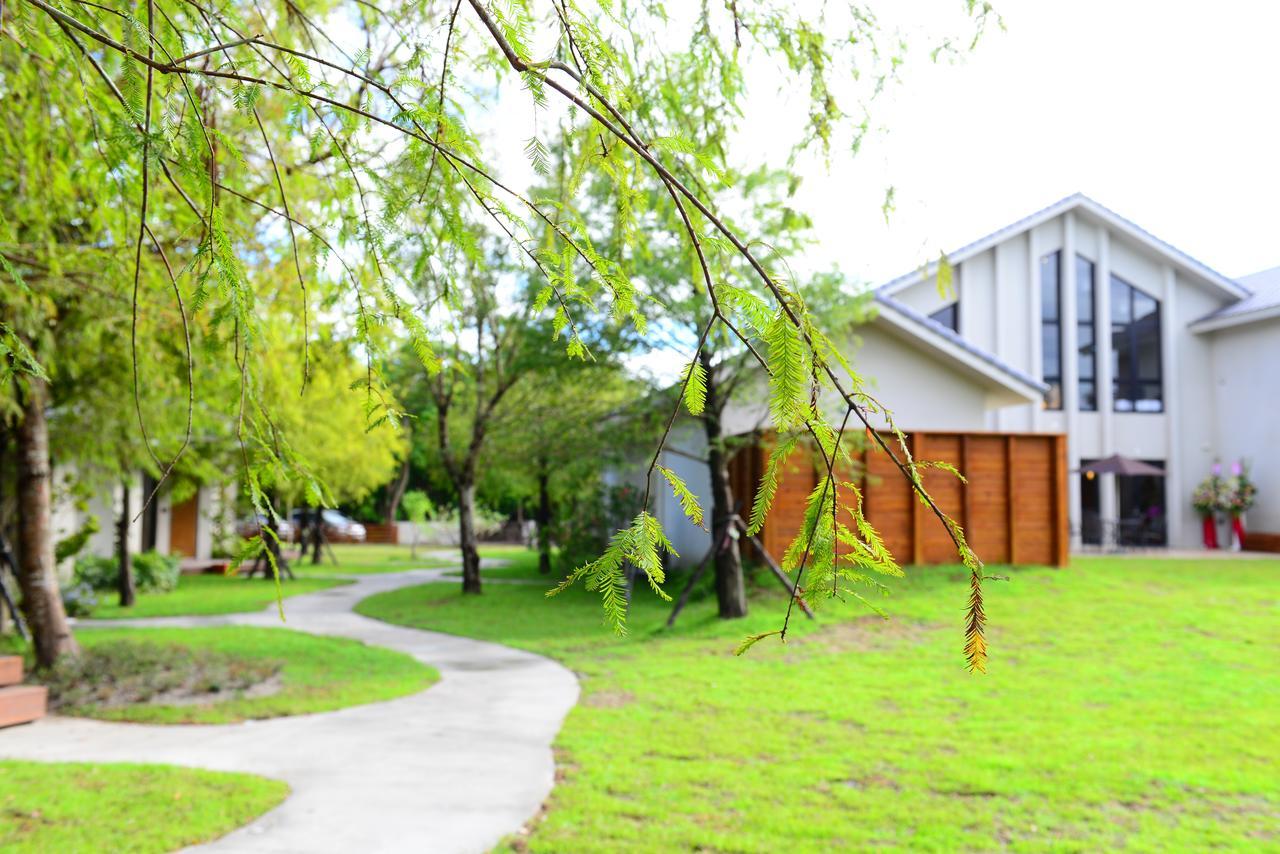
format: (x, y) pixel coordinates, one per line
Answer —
(1240, 491)
(1211, 495)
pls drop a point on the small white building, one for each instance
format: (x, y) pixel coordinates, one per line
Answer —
(186, 528)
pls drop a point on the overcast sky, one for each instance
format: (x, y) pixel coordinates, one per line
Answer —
(1164, 110)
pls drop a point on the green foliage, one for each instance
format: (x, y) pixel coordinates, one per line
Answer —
(80, 599)
(417, 506)
(693, 382)
(789, 361)
(688, 501)
(73, 544)
(769, 481)
(291, 201)
(153, 572)
(640, 546)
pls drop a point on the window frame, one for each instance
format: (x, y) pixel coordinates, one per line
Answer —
(1054, 381)
(1090, 324)
(1129, 388)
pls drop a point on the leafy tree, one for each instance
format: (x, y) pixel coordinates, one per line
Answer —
(184, 84)
(568, 428)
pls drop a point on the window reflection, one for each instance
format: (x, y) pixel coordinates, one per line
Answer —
(1136, 369)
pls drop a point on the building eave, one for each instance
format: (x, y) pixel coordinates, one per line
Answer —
(898, 318)
(1078, 202)
(1214, 322)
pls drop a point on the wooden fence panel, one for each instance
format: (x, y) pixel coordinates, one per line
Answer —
(947, 491)
(1013, 508)
(987, 527)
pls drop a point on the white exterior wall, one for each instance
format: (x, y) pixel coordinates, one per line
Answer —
(1246, 411)
(922, 391)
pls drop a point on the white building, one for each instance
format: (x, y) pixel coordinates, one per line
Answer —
(1146, 351)
(1169, 362)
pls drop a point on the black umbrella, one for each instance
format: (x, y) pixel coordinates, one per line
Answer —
(1116, 464)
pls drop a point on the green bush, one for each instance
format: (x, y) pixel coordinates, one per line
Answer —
(79, 600)
(156, 573)
(100, 573)
(152, 572)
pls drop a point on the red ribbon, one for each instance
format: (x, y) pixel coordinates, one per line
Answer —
(1237, 528)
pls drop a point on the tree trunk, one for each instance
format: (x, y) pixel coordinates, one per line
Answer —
(124, 582)
(317, 535)
(37, 575)
(731, 590)
(467, 538)
(543, 522)
(395, 493)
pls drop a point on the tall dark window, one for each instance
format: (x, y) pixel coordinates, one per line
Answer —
(1135, 349)
(1051, 328)
(1086, 340)
(948, 316)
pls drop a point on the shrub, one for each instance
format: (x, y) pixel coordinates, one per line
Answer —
(152, 572)
(156, 573)
(79, 600)
(100, 573)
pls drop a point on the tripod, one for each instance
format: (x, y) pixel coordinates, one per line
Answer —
(9, 566)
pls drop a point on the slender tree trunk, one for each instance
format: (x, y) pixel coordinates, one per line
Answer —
(395, 493)
(467, 538)
(317, 535)
(128, 592)
(543, 520)
(731, 590)
(38, 576)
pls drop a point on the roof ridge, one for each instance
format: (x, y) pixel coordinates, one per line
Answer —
(1062, 205)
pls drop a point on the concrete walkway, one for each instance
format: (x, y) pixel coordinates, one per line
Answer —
(453, 768)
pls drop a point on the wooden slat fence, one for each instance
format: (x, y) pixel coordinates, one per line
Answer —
(1013, 508)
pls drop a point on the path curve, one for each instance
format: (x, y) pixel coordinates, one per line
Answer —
(453, 768)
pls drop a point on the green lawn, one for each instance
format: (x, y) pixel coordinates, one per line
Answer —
(1131, 703)
(366, 558)
(73, 807)
(198, 595)
(316, 674)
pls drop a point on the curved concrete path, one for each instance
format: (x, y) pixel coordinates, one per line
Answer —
(452, 768)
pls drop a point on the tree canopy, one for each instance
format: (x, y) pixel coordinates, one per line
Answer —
(348, 144)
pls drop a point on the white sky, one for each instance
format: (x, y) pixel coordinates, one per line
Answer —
(1164, 111)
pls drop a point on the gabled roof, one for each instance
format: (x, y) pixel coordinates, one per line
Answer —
(1079, 202)
(951, 345)
(1262, 304)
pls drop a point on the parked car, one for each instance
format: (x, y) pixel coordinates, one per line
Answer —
(338, 528)
(250, 525)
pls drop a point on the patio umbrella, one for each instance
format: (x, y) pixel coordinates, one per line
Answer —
(1116, 464)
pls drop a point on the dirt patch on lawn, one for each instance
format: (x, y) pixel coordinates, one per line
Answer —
(867, 634)
(608, 699)
(134, 672)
